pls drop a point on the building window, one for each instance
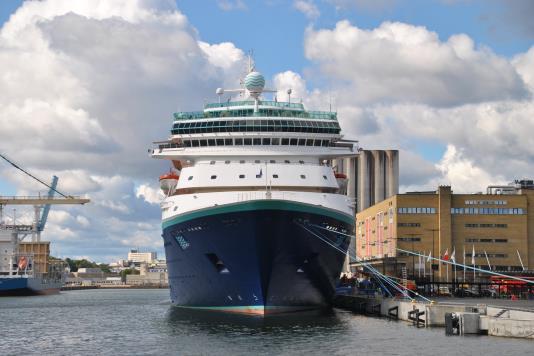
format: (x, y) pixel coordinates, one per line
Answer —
(410, 239)
(409, 224)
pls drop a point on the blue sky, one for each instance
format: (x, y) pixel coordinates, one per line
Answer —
(88, 85)
(275, 30)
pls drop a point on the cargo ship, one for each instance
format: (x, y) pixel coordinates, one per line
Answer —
(255, 218)
(25, 264)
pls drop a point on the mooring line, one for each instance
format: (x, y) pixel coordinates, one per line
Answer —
(403, 290)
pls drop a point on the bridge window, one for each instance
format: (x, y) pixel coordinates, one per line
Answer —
(275, 141)
(247, 141)
(285, 142)
(266, 141)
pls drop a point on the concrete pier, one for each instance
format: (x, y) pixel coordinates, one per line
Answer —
(497, 320)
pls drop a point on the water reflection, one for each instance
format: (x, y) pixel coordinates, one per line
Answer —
(213, 322)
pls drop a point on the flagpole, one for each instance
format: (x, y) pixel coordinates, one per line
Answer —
(424, 267)
(487, 259)
(473, 263)
(454, 254)
(464, 263)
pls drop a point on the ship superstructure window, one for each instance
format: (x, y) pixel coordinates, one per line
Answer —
(303, 176)
(226, 162)
(212, 162)
(241, 176)
(257, 161)
(275, 175)
(301, 162)
(304, 126)
(190, 178)
(287, 161)
(213, 177)
(325, 177)
(242, 161)
(272, 161)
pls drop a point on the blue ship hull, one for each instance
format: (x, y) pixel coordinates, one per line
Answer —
(256, 257)
(29, 286)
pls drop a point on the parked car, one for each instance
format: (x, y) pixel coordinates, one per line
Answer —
(444, 291)
(491, 293)
(464, 292)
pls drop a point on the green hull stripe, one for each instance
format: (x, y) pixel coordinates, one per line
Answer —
(260, 205)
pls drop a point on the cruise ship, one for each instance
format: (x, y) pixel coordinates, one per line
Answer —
(255, 218)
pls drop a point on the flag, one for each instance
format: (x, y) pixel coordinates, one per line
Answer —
(429, 258)
(473, 256)
(446, 255)
(453, 256)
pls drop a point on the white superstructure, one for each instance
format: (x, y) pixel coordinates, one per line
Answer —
(253, 149)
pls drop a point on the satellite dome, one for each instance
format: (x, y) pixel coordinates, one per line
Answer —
(254, 82)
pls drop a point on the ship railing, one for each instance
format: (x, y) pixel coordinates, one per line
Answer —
(272, 114)
(280, 104)
(265, 195)
(17, 268)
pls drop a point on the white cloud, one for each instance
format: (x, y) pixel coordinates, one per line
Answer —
(372, 5)
(402, 62)
(229, 5)
(308, 8)
(149, 194)
(86, 86)
(466, 176)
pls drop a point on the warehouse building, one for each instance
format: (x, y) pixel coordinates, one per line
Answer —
(498, 226)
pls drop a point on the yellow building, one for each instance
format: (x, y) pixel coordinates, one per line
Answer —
(498, 224)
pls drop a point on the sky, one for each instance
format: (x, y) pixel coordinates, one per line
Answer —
(88, 85)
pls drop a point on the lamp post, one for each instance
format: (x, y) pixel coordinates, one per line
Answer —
(431, 262)
(412, 239)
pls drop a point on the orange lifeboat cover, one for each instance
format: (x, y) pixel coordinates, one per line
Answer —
(170, 175)
(340, 176)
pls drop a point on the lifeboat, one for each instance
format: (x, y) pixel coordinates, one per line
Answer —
(342, 181)
(168, 182)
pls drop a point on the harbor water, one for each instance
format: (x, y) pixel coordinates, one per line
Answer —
(142, 322)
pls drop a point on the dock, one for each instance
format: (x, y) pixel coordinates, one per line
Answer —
(502, 318)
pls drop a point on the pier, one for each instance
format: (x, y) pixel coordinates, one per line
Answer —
(508, 318)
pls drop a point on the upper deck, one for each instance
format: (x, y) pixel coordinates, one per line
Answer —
(247, 109)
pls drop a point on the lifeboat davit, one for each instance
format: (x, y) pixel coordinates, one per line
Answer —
(168, 182)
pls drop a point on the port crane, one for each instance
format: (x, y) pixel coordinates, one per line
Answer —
(41, 205)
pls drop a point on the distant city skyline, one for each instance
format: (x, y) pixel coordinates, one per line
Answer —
(88, 85)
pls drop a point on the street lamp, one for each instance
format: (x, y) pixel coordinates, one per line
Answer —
(431, 262)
